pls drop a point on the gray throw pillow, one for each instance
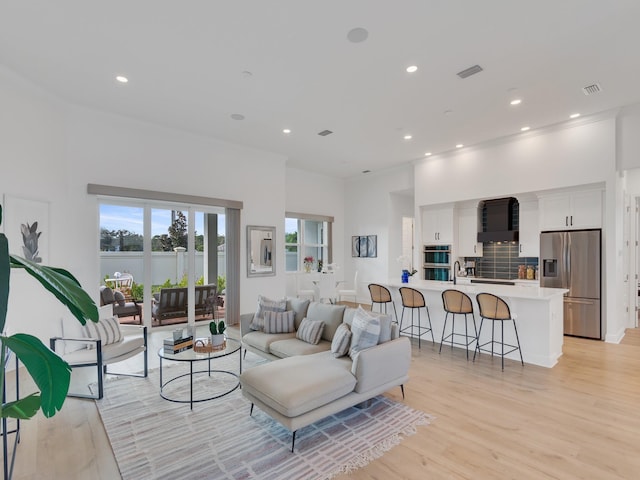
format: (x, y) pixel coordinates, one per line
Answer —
(119, 298)
(365, 329)
(310, 331)
(279, 322)
(266, 305)
(341, 341)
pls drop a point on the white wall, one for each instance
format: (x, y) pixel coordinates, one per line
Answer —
(316, 194)
(50, 151)
(372, 208)
(628, 139)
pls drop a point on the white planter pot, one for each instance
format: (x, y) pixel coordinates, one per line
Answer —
(217, 340)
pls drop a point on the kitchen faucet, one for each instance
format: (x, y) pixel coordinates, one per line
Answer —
(455, 270)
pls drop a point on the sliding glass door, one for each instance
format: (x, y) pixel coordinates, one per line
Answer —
(175, 254)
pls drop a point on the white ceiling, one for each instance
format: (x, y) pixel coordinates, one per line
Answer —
(185, 62)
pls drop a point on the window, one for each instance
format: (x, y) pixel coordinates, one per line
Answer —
(307, 236)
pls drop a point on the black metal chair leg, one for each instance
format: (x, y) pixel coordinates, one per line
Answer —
(251, 411)
(293, 440)
(518, 341)
(402, 388)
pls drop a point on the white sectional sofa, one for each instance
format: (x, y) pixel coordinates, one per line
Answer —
(307, 382)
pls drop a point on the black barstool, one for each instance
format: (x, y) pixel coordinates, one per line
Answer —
(457, 303)
(495, 309)
(414, 300)
(381, 295)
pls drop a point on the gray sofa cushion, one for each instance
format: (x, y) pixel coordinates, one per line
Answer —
(297, 385)
(292, 346)
(299, 307)
(331, 315)
(262, 341)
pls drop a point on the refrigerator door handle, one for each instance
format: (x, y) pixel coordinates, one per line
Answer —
(581, 302)
(567, 250)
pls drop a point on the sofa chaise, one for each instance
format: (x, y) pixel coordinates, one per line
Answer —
(307, 382)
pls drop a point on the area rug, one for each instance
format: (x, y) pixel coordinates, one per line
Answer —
(154, 438)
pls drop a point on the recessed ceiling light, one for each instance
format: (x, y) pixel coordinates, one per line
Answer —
(459, 145)
(408, 137)
(412, 69)
(237, 116)
(357, 35)
(122, 79)
(574, 115)
(516, 101)
(524, 129)
(286, 130)
(428, 154)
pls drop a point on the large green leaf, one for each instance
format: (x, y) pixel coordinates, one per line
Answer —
(63, 285)
(23, 409)
(50, 373)
(5, 271)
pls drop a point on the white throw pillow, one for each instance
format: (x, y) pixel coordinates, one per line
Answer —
(266, 305)
(365, 330)
(106, 329)
(310, 331)
(341, 341)
(279, 322)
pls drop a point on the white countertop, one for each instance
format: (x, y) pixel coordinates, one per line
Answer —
(508, 291)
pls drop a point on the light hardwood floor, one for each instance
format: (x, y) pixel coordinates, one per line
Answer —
(579, 419)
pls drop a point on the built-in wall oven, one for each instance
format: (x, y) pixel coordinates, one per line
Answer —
(436, 262)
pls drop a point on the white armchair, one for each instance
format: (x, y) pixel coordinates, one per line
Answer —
(102, 348)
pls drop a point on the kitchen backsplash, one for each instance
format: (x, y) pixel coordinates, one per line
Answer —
(500, 260)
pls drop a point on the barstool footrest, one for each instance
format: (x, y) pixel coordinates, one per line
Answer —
(470, 339)
(496, 352)
(411, 328)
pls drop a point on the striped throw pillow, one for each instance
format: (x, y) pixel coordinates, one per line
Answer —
(310, 331)
(341, 341)
(107, 330)
(279, 322)
(266, 305)
(365, 329)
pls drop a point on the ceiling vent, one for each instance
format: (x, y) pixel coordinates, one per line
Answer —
(469, 71)
(324, 133)
(595, 88)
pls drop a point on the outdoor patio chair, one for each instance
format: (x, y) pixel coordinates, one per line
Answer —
(121, 307)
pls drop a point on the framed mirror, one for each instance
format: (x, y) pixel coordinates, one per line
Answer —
(261, 251)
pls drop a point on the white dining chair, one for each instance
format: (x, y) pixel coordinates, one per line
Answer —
(344, 292)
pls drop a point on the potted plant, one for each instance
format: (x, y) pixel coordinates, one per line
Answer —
(50, 373)
(217, 332)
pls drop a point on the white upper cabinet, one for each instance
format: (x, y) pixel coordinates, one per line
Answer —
(437, 226)
(529, 230)
(571, 211)
(468, 245)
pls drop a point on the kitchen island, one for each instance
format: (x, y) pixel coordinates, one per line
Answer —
(538, 312)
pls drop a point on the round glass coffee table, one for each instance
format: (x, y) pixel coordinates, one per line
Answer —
(191, 356)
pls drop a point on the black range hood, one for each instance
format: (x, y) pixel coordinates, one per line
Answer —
(497, 216)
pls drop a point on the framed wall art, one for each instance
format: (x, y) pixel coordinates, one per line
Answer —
(364, 246)
(26, 225)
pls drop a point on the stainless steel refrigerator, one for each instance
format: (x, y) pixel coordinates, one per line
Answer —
(572, 260)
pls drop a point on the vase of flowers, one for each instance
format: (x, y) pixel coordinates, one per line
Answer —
(308, 263)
